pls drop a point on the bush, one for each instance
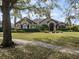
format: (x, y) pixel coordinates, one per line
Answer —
(46, 31)
(58, 31)
(1, 30)
(64, 29)
(25, 30)
(44, 27)
(75, 28)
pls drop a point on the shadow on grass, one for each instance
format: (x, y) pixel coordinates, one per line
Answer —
(44, 53)
(68, 41)
(27, 52)
(33, 52)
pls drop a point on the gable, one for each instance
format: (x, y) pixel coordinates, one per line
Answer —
(46, 21)
(26, 21)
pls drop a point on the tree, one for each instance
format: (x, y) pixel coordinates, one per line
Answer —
(7, 5)
(69, 21)
(16, 14)
(46, 10)
(73, 5)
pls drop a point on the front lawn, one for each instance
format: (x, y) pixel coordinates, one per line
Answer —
(68, 39)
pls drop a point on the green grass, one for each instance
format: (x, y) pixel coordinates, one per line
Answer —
(33, 52)
(68, 39)
(41, 35)
(33, 36)
(1, 34)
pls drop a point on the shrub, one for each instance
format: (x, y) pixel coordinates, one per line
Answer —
(46, 31)
(1, 30)
(64, 29)
(75, 28)
(58, 31)
(44, 27)
(25, 30)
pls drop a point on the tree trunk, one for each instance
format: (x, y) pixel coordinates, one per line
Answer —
(15, 22)
(7, 37)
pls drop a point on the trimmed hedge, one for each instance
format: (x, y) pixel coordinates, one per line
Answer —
(26, 30)
(64, 29)
(1, 30)
(76, 28)
(44, 27)
(73, 29)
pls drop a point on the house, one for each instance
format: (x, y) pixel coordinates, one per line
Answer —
(25, 23)
(52, 24)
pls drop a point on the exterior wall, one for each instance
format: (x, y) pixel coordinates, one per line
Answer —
(44, 22)
(18, 26)
(24, 24)
(33, 26)
(61, 25)
(47, 21)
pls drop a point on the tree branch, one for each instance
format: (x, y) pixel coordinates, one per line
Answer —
(12, 3)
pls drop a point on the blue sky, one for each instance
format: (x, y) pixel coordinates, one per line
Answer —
(56, 13)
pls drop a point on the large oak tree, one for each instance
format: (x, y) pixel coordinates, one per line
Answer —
(7, 5)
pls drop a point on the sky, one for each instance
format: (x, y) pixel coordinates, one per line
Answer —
(56, 13)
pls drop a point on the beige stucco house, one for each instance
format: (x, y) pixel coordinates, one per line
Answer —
(26, 23)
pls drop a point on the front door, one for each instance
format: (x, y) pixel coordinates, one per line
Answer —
(51, 26)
